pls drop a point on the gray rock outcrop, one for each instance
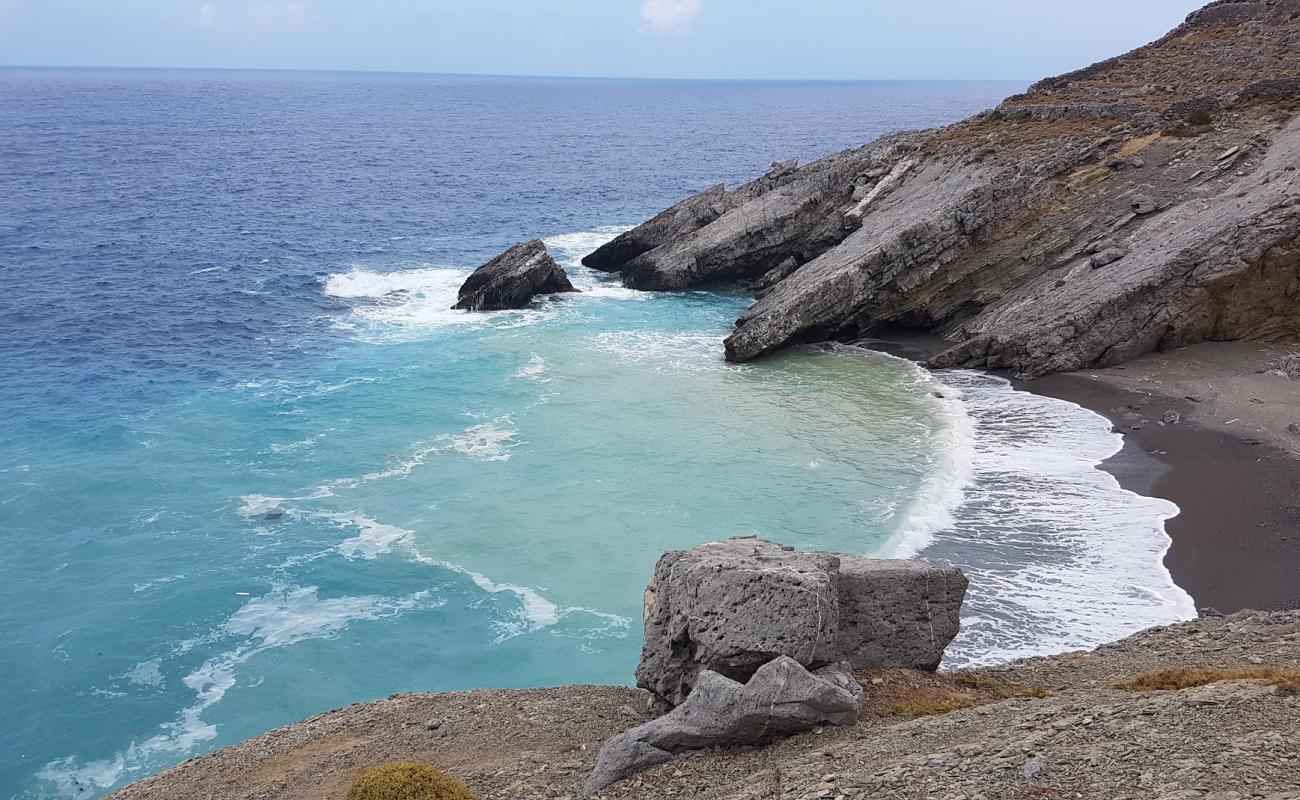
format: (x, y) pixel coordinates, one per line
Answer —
(782, 698)
(513, 279)
(731, 607)
(1182, 155)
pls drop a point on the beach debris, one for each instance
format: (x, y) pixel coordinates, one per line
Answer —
(1288, 366)
(1171, 418)
(1293, 427)
(782, 698)
(732, 606)
(1195, 398)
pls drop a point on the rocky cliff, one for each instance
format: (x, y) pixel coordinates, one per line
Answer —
(1143, 203)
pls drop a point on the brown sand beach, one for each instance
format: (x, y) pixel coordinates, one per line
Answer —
(1231, 464)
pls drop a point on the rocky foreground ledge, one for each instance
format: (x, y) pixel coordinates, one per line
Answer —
(1144, 203)
(1207, 709)
(1042, 728)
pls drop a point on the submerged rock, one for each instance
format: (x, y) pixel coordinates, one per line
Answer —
(782, 698)
(512, 279)
(731, 607)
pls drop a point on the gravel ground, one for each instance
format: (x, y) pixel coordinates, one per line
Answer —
(1041, 728)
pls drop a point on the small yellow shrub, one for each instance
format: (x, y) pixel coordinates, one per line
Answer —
(407, 781)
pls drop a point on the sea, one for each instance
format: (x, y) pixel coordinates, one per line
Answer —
(253, 467)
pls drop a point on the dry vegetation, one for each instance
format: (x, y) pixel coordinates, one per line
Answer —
(407, 780)
(1168, 680)
(921, 694)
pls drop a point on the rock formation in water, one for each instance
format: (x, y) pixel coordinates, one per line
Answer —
(1146, 202)
(513, 279)
(731, 607)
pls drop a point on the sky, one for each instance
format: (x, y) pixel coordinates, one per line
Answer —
(765, 39)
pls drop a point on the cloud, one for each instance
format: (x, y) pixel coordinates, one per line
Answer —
(669, 16)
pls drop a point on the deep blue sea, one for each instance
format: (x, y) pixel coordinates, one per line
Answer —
(253, 468)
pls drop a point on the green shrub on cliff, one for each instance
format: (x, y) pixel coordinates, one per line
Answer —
(407, 781)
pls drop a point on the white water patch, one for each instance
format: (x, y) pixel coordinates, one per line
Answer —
(255, 505)
(283, 617)
(666, 352)
(146, 673)
(568, 249)
(406, 304)
(1060, 556)
(373, 538)
(535, 612)
(534, 370)
(484, 442)
(488, 441)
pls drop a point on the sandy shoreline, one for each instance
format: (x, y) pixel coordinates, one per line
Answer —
(1236, 542)
(1231, 464)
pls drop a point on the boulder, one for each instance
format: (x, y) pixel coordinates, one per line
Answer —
(512, 279)
(730, 607)
(782, 698)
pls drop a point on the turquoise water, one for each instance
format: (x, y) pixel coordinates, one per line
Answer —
(447, 501)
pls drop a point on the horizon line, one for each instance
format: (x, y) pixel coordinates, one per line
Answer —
(368, 71)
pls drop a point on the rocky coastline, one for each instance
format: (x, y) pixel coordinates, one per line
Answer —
(1102, 226)
(1144, 203)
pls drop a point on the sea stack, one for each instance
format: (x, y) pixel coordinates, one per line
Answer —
(513, 279)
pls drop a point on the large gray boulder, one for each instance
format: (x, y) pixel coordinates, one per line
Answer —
(513, 279)
(782, 698)
(733, 606)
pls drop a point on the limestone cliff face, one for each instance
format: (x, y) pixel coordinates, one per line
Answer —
(1145, 202)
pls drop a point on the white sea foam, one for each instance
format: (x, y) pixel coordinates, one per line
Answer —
(1060, 557)
(283, 617)
(255, 505)
(407, 304)
(568, 249)
(952, 454)
(671, 352)
(373, 538)
(485, 442)
(534, 370)
(146, 673)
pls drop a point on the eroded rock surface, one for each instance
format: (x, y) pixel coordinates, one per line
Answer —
(782, 698)
(731, 607)
(513, 279)
(1181, 157)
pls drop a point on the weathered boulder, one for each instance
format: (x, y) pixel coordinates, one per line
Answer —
(513, 279)
(730, 607)
(782, 698)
